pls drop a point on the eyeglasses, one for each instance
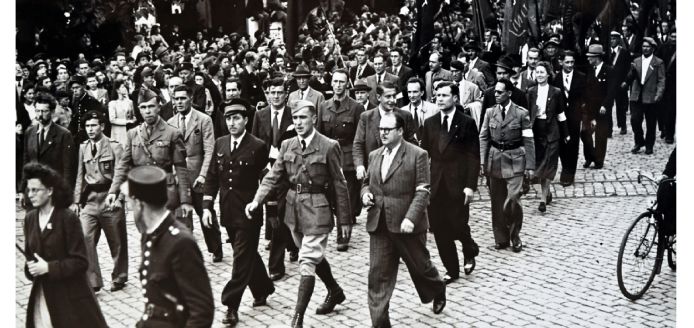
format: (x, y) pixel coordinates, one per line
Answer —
(34, 191)
(385, 130)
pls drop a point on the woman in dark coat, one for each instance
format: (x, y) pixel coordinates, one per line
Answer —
(56, 257)
(549, 128)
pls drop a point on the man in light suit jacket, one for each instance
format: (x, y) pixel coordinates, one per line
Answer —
(198, 137)
(381, 76)
(647, 79)
(452, 141)
(367, 140)
(305, 92)
(470, 97)
(419, 109)
(436, 71)
(469, 74)
(397, 189)
(476, 63)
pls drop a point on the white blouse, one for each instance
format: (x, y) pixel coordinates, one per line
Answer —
(542, 93)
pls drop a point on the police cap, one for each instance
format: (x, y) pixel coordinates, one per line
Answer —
(235, 106)
(148, 184)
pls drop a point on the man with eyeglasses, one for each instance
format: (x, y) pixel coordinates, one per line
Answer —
(47, 143)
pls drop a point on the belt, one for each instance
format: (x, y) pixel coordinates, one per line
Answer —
(308, 188)
(100, 187)
(168, 168)
(157, 312)
(507, 145)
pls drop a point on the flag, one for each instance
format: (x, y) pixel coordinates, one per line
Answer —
(297, 10)
(611, 19)
(426, 10)
(520, 24)
(483, 18)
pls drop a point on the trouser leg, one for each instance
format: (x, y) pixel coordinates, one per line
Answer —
(602, 131)
(113, 224)
(651, 114)
(281, 240)
(498, 193)
(354, 188)
(325, 274)
(426, 279)
(383, 273)
(311, 251)
(568, 152)
(212, 234)
(637, 112)
(447, 251)
(92, 230)
(587, 138)
(661, 115)
(671, 116)
(513, 209)
(622, 106)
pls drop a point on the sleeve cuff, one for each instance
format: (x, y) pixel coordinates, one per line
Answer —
(207, 204)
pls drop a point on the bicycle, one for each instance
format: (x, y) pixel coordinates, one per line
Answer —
(636, 264)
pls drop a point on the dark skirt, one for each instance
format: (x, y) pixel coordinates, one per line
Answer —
(546, 153)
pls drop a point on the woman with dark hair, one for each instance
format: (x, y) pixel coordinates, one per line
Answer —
(26, 98)
(549, 128)
(56, 256)
(95, 90)
(120, 111)
(156, 39)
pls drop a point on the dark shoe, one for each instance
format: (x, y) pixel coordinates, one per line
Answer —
(440, 302)
(662, 135)
(500, 245)
(649, 151)
(542, 208)
(469, 266)
(217, 257)
(298, 320)
(260, 301)
(549, 198)
(587, 164)
(636, 149)
(623, 131)
(517, 245)
(333, 298)
(276, 276)
(342, 244)
(566, 183)
(231, 318)
(268, 246)
(116, 286)
(447, 279)
(669, 141)
(293, 256)
(598, 166)
(97, 290)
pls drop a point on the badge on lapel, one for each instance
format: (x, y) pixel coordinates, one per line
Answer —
(160, 144)
(49, 226)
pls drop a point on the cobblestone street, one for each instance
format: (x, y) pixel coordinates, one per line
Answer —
(564, 277)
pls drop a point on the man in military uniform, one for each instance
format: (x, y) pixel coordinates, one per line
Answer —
(82, 103)
(175, 286)
(337, 119)
(237, 162)
(157, 143)
(98, 158)
(507, 150)
(311, 165)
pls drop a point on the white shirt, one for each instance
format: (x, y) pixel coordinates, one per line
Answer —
(450, 117)
(531, 74)
(360, 69)
(237, 141)
(542, 93)
(382, 76)
(280, 113)
(505, 108)
(188, 116)
(302, 93)
(597, 69)
(616, 54)
(97, 144)
(383, 112)
(420, 111)
(567, 78)
(645, 62)
(396, 69)
(472, 63)
(308, 139)
(44, 129)
(388, 159)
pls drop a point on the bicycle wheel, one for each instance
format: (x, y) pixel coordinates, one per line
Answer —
(672, 252)
(637, 264)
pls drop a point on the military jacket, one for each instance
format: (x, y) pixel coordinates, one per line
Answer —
(340, 124)
(99, 168)
(516, 127)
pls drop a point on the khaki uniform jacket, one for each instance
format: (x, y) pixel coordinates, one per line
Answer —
(319, 164)
(97, 169)
(164, 148)
(199, 141)
(340, 124)
(508, 163)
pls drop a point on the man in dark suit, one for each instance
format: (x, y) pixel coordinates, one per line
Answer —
(185, 72)
(647, 79)
(273, 124)
(574, 84)
(397, 191)
(366, 139)
(504, 70)
(670, 94)
(599, 108)
(452, 141)
(250, 82)
(630, 39)
(403, 73)
(237, 162)
(477, 63)
(81, 103)
(379, 77)
(48, 144)
(620, 60)
(363, 68)
(520, 79)
(361, 94)
(338, 118)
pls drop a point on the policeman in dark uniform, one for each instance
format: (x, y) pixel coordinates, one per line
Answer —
(157, 143)
(337, 119)
(175, 286)
(237, 162)
(98, 157)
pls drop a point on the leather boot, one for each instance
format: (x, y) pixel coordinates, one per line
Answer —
(335, 294)
(305, 291)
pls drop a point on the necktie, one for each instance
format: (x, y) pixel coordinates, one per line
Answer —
(361, 70)
(444, 133)
(41, 138)
(303, 144)
(234, 149)
(613, 57)
(532, 76)
(416, 116)
(93, 149)
(395, 71)
(385, 166)
(379, 79)
(275, 130)
(183, 125)
(149, 131)
(503, 113)
(301, 95)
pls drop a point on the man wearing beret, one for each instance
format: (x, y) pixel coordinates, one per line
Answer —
(311, 164)
(237, 162)
(170, 256)
(647, 80)
(80, 104)
(198, 136)
(156, 143)
(337, 119)
(98, 157)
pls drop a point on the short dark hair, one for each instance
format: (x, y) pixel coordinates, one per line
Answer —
(46, 98)
(381, 88)
(382, 55)
(508, 86)
(454, 88)
(185, 88)
(62, 195)
(398, 50)
(92, 114)
(419, 81)
(399, 120)
(566, 53)
(277, 82)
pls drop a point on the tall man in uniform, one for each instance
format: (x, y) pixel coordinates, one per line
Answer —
(198, 136)
(237, 162)
(273, 124)
(157, 143)
(175, 285)
(311, 165)
(96, 163)
(452, 141)
(337, 120)
(504, 70)
(397, 191)
(507, 150)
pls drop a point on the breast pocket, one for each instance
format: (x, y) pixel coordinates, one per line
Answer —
(106, 164)
(161, 150)
(317, 164)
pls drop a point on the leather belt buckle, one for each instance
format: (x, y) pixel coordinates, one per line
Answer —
(298, 188)
(501, 146)
(149, 310)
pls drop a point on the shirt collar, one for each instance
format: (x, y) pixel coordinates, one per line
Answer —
(309, 138)
(154, 229)
(238, 141)
(44, 128)
(598, 68)
(394, 150)
(280, 110)
(383, 112)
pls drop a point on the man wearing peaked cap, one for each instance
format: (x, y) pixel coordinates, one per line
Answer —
(170, 255)
(80, 104)
(156, 143)
(237, 162)
(305, 92)
(311, 165)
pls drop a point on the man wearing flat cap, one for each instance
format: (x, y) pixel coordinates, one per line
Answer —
(156, 143)
(647, 80)
(337, 120)
(80, 104)
(361, 94)
(170, 255)
(302, 76)
(237, 162)
(311, 165)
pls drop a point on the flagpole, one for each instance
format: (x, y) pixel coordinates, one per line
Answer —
(337, 45)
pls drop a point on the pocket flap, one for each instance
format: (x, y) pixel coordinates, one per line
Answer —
(289, 157)
(348, 119)
(326, 118)
(317, 159)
